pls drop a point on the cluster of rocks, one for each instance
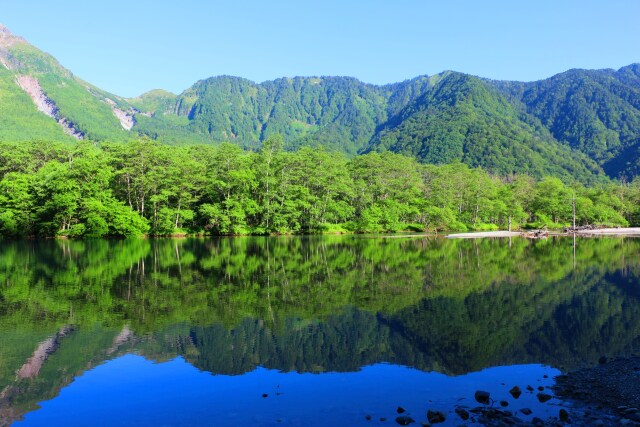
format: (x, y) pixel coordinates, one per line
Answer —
(488, 414)
(587, 227)
(605, 395)
(601, 396)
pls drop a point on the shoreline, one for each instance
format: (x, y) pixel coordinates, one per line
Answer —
(628, 231)
(602, 232)
(609, 392)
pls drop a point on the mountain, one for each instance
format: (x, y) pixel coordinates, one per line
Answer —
(81, 110)
(596, 112)
(579, 124)
(462, 119)
(501, 126)
(339, 112)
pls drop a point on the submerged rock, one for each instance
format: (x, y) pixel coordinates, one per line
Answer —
(405, 420)
(543, 397)
(401, 410)
(462, 413)
(496, 417)
(436, 417)
(482, 397)
(515, 392)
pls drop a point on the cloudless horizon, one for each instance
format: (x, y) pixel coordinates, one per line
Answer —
(129, 48)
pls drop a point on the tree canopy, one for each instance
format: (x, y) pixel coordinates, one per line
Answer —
(143, 187)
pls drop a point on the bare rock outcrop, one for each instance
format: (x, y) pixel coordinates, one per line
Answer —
(127, 121)
(124, 336)
(32, 367)
(46, 105)
(7, 38)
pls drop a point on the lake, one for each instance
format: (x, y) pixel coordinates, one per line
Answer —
(302, 330)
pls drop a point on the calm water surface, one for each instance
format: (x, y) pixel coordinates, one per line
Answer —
(307, 331)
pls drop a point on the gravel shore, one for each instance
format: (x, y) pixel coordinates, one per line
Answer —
(603, 395)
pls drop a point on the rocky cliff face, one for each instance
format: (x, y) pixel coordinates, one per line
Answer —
(7, 40)
(46, 105)
(80, 109)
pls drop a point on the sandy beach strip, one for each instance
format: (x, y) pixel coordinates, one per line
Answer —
(483, 234)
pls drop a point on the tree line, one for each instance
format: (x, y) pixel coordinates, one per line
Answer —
(143, 187)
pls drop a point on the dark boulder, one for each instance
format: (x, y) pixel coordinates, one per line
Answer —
(482, 397)
(515, 392)
(436, 417)
(462, 414)
(405, 420)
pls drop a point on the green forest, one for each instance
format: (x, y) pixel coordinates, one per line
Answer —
(143, 187)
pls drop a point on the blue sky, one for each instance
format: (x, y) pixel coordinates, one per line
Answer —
(128, 47)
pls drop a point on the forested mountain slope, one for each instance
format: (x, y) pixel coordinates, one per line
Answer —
(575, 125)
(596, 112)
(462, 119)
(338, 112)
(82, 111)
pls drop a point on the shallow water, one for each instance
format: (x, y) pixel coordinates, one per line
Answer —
(332, 329)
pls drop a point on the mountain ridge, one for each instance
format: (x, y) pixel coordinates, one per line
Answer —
(580, 123)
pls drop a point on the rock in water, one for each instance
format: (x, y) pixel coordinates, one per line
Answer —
(405, 420)
(482, 397)
(436, 417)
(564, 416)
(401, 410)
(526, 411)
(543, 397)
(462, 414)
(515, 392)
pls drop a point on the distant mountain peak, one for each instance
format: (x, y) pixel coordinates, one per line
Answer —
(7, 38)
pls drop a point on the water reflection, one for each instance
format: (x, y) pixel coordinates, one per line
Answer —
(131, 391)
(309, 304)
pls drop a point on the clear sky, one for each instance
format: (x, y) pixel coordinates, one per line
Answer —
(130, 46)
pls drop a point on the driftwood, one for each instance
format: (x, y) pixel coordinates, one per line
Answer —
(536, 234)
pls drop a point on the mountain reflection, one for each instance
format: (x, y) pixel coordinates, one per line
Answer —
(309, 304)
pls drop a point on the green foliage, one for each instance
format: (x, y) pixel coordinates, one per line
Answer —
(596, 112)
(20, 120)
(129, 189)
(574, 126)
(305, 303)
(463, 119)
(68, 198)
(86, 107)
(153, 101)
